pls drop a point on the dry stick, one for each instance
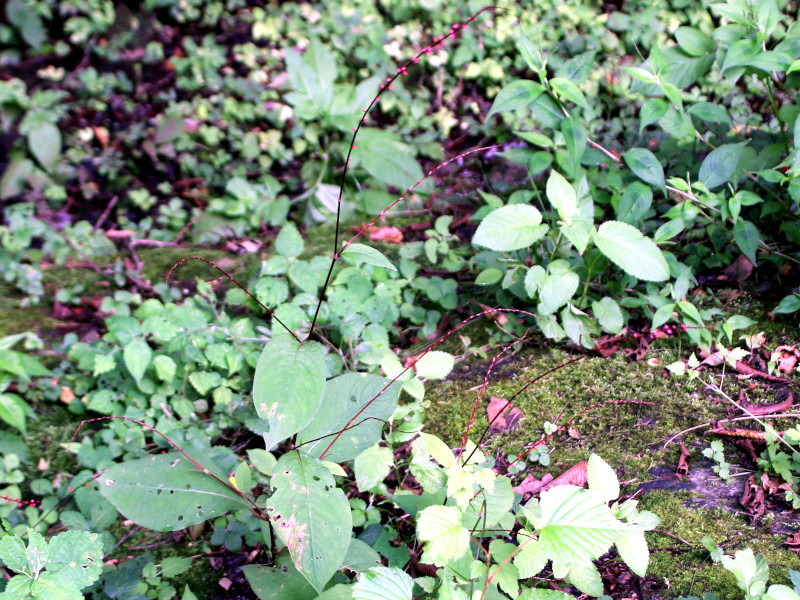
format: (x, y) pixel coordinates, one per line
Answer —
(105, 213)
(403, 70)
(745, 418)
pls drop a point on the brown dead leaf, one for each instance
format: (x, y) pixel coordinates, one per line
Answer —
(753, 499)
(573, 432)
(793, 542)
(787, 358)
(503, 416)
(499, 317)
(390, 235)
(67, 395)
(740, 269)
(225, 583)
(683, 463)
(640, 351)
(101, 133)
(575, 475)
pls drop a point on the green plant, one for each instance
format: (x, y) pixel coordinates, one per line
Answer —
(50, 569)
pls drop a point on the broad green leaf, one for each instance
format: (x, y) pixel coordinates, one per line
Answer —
(288, 386)
(719, 166)
(359, 253)
(543, 594)
(289, 242)
(490, 507)
(645, 166)
(567, 90)
(534, 280)
(561, 194)
(631, 251)
(165, 367)
(444, 536)
(578, 68)
(694, 42)
(750, 570)
(204, 381)
(515, 95)
(384, 156)
(168, 492)
(608, 314)
(747, 236)
(509, 228)
(12, 552)
(372, 466)
(586, 578)
(781, 592)
(434, 364)
(489, 276)
(383, 583)
(438, 450)
(531, 558)
(137, 355)
(633, 550)
(538, 139)
(577, 526)
(635, 203)
(789, 304)
(652, 110)
(602, 478)
(557, 290)
(76, 558)
(710, 112)
(353, 396)
(311, 515)
(281, 582)
(663, 314)
(13, 411)
(45, 144)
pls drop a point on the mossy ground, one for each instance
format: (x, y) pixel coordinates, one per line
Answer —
(632, 410)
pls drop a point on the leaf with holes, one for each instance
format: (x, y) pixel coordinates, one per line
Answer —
(288, 386)
(311, 516)
(168, 492)
(359, 397)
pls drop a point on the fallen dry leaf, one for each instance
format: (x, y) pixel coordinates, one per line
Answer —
(67, 395)
(683, 463)
(740, 269)
(390, 235)
(503, 415)
(786, 357)
(793, 542)
(499, 317)
(576, 475)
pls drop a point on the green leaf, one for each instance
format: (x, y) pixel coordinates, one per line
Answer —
(788, 304)
(45, 144)
(531, 558)
(710, 112)
(631, 251)
(747, 236)
(645, 166)
(577, 526)
(384, 156)
(383, 583)
(372, 466)
(530, 52)
(663, 314)
(356, 397)
(561, 194)
(509, 228)
(165, 368)
(780, 592)
(633, 550)
(719, 166)
(434, 364)
(288, 386)
(359, 253)
(13, 411)
(602, 478)
(694, 42)
(438, 450)
(137, 355)
(204, 381)
(289, 242)
(567, 90)
(557, 290)
(311, 516)
(168, 492)
(489, 276)
(281, 582)
(444, 536)
(751, 571)
(652, 110)
(608, 314)
(515, 95)
(76, 558)
(635, 203)
(586, 578)
(12, 552)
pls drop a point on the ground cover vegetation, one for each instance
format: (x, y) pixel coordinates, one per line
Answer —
(399, 299)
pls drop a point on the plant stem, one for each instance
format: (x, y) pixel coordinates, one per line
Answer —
(781, 124)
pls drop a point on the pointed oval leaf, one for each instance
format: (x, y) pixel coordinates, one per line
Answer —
(445, 538)
(631, 251)
(372, 466)
(288, 386)
(694, 42)
(311, 516)
(515, 95)
(281, 582)
(633, 550)
(168, 492)
(357, 397)
(719, 166)
(645, 166)
(602, 478)
(359, 253)
(510, 228)
(137, 355)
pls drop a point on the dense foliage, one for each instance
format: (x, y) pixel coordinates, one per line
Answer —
(638, 149)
